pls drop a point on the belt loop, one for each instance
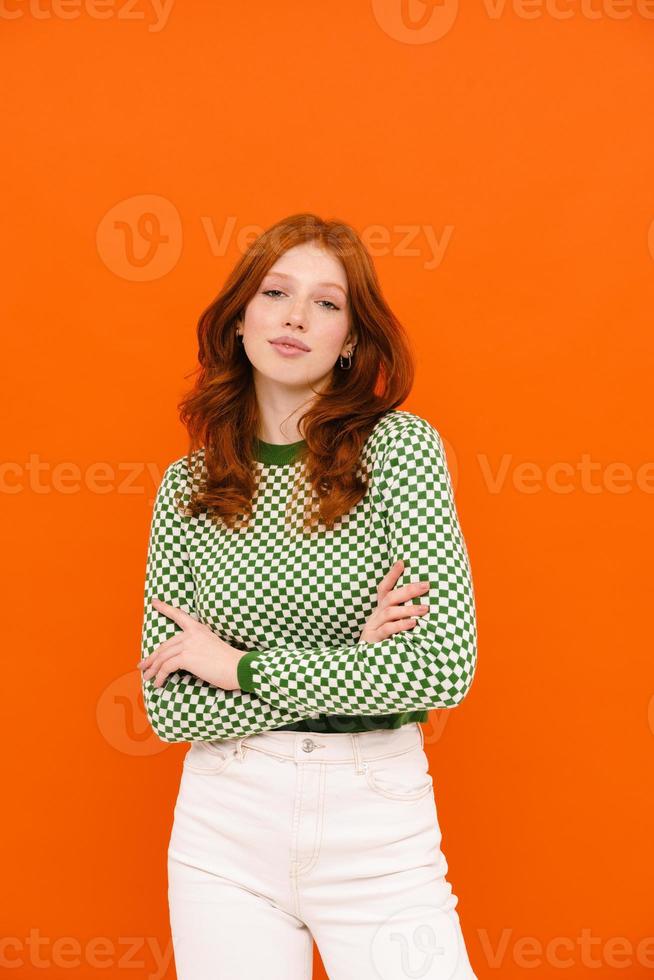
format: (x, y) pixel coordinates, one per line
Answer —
(422, 735)
(359, 767)
(239, 748)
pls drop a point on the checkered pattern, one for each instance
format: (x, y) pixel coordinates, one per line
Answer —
(299, 601)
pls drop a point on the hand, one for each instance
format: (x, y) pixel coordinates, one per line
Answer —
(390, 616)
(196, 649)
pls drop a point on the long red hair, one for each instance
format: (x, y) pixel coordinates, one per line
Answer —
(221, 412)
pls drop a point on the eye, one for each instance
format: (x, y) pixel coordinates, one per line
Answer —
(267, 292)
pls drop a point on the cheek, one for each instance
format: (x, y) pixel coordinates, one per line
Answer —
(332, 333)
(258, 316)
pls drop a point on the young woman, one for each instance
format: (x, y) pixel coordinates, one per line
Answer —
(277, 641)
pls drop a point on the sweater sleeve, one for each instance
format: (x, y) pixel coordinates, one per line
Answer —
(187, 708)
(428, 666)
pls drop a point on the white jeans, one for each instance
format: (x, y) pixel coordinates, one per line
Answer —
(287, 837)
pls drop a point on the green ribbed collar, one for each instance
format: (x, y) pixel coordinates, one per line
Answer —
(277, 453)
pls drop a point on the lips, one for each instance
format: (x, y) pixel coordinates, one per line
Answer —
(288, 343)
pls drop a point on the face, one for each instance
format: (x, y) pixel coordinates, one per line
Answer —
(304, 296)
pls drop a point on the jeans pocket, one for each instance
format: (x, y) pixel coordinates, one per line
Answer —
(400, 777)
(209, 757)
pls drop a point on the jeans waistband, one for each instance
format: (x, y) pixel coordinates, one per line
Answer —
(334, 747)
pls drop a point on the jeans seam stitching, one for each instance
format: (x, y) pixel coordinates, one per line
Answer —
(313, 860)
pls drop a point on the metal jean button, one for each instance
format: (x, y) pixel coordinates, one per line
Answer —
(308, 745)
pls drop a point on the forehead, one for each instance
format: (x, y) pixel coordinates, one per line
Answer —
(311, 264)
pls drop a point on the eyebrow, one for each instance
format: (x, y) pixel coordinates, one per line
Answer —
(283, 275)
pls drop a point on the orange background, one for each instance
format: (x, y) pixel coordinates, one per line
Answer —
(523, 144)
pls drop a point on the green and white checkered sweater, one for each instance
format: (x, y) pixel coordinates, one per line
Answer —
(296, 604)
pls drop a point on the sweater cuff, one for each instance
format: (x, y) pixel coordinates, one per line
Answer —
(244, 669)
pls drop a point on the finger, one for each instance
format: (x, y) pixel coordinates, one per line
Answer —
(172, 641)
(170, 666)
(390, 579)
(403, 612)
(166, 645)
(177, 615)
(406, 592)
(388, 629)
(154, 661)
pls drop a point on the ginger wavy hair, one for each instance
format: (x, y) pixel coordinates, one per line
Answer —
(221, 411)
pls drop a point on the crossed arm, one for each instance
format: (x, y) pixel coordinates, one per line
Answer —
(428, 667)
(187, 708)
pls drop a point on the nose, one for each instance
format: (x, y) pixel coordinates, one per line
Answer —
(296, 314)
